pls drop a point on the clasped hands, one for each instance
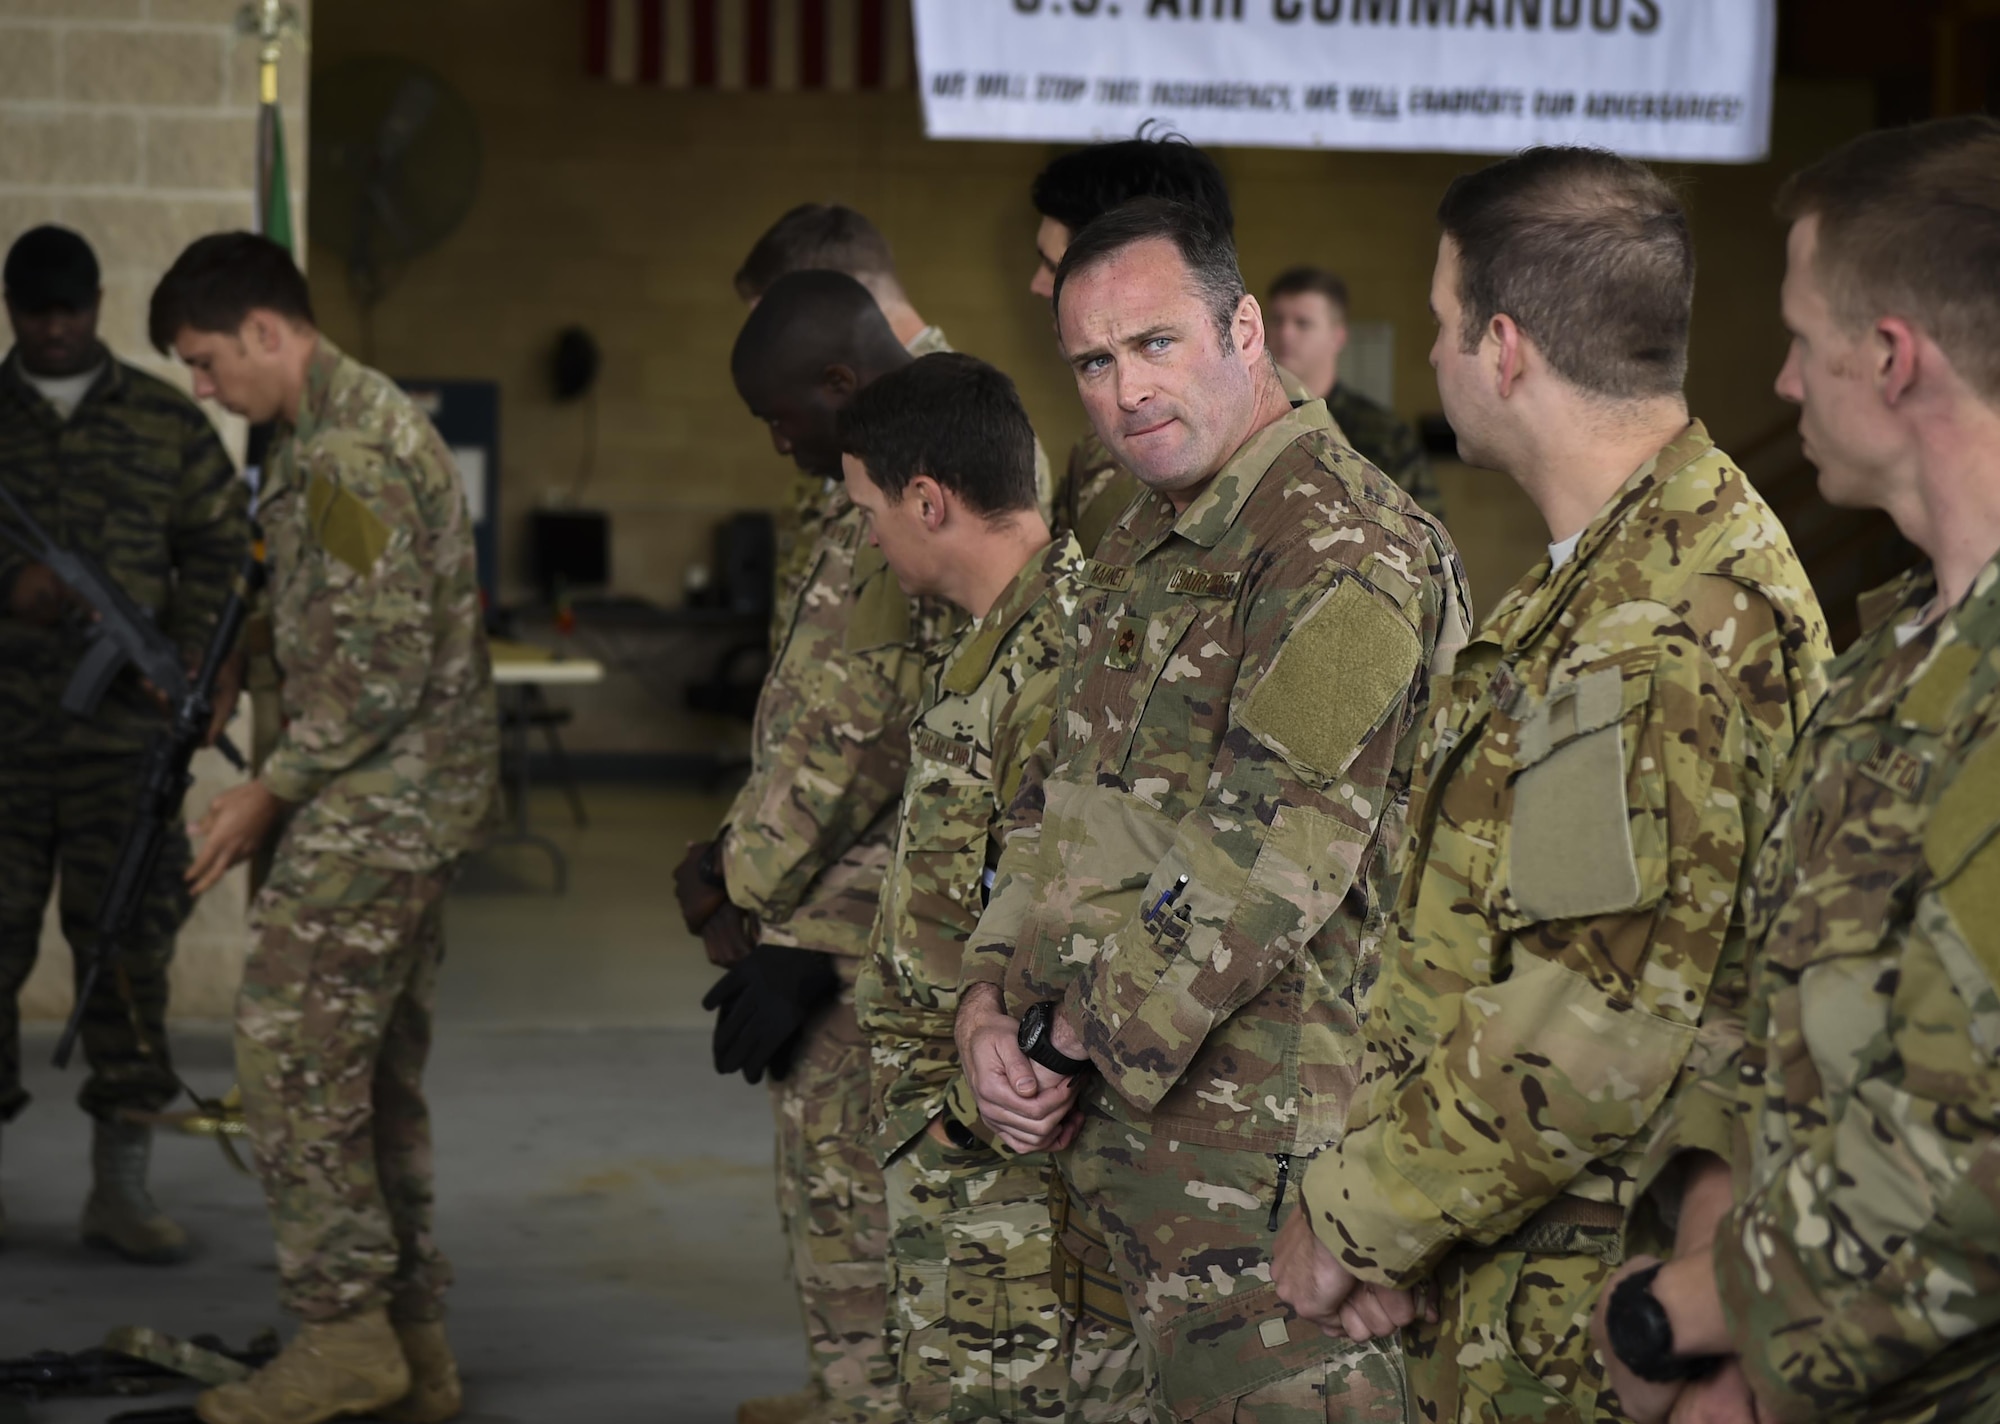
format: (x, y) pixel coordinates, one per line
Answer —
(1030, 1108)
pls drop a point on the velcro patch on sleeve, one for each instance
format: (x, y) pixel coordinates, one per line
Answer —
(345, 526)
(1962, 852)
(1571, 852)
(1344, 665)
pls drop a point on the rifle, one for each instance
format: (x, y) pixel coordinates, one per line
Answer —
(123, 632)
(163, 784)
(108, 1369)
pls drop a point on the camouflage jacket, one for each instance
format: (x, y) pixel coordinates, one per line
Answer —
(1387, 442)
(806, 842)
(1860, 1267)
(137, 479)
(1094, 491)
(390, 738)
(1237, 707)
(984, 729)
(1597, 776)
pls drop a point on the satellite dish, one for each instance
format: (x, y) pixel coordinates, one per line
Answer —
(395, 166)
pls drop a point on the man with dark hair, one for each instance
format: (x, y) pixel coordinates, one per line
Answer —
(939, 458)
(1308, 334)
(119, 465)
(831, 237)
(1850, 1269)
(1183, 906)
(786, 894)
(1075, 190)
(1615, 735)
(383, 775)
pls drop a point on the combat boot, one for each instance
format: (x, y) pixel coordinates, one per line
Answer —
(435, 1393)
(795, 1408)
(120, 1213)
(331, 1369)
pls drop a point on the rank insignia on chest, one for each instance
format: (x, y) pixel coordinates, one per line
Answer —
(1202, 583)
(1503, 689)
(1130, 636)
(1898, 768)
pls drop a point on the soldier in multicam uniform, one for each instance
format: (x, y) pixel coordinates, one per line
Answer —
(1308, 333)
(1073, 191)
(832, 237)
(1591, 793)
(787, 893)
(1186, 903)
(1850, 1271)
(383, 775)
(119, 465)
(939, 457)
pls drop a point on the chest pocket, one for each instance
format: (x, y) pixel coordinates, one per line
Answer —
(1586, 835)
(947, 843)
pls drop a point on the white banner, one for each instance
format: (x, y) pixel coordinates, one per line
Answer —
(1674, 79)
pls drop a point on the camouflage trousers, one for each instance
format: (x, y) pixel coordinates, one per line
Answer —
(67, 813)
(830, 1200)
(975, 1324)
(1512, 1342)
(333, 1027)
(1190, 1231)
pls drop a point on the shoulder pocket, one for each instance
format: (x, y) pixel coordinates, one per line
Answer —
(881, 613)
(1336, 675)
(1571, 850)
(1962, 853)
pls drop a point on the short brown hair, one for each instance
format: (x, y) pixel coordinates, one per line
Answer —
(1296, 281)
(1206, 248)
(1590, 254)
(1909, 223)
(815, 237)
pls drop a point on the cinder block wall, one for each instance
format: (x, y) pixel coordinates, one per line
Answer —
(134, 122)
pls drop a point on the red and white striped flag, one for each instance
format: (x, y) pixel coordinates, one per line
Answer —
(750, 44)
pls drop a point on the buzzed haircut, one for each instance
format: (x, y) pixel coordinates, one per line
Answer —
(219, 280)
(1590, 254)
(808, 321)
(952, 417)
(1208, 252)
(1909, 225)
(1083, 185)
(1298, 281)
(824, 236)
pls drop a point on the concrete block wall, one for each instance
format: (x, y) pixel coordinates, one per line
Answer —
(134, 122)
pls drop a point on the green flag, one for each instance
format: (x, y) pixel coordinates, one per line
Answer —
(276, 208)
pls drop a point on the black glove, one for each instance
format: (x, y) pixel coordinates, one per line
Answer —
(698, 885)
(765, 1002)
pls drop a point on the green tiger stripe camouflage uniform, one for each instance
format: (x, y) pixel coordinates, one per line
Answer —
(1239, 706)
(1860, 1267)
(1385, 440)
(805, 848)
(1595, 780)
(137, 479)
(389, 757)
(974, 1317)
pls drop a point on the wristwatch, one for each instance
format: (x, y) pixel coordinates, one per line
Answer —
(1643, 1337)
(1037, 1040)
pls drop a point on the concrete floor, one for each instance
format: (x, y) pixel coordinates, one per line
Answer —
(605, 1197)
